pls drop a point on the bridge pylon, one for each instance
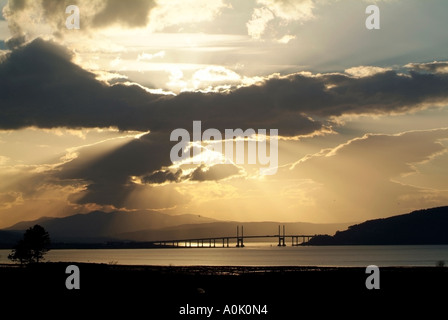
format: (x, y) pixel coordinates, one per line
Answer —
(281, 238)
(239, 238)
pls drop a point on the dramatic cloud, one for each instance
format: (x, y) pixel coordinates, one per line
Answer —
(42, 87)
(59, 93)
(39, 80)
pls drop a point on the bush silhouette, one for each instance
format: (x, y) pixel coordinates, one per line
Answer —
(32, 248)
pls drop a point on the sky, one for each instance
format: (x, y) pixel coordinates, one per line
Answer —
(87, 114)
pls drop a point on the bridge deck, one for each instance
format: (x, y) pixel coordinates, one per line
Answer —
(210, 242)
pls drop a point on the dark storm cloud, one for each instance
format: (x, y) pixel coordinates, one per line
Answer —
(162, 176)
(15, 42)
(382, 93)
(201, 173)
(40, 86)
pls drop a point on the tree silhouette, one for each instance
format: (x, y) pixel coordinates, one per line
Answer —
(32, 248)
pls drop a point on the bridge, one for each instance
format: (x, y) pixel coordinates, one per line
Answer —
(238, 240)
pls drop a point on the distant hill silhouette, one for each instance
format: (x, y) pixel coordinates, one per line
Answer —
(228, 228)
(428, 226)
(101, 227)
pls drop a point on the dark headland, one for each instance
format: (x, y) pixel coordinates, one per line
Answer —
(422, 227)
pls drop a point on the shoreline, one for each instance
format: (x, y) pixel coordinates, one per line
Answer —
(248, 268)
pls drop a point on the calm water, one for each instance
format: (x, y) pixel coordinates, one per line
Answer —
(258, 255)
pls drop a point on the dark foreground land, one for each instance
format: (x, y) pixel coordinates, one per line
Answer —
(153, 292)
